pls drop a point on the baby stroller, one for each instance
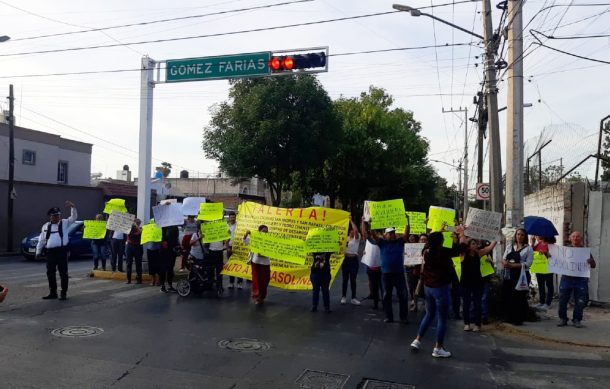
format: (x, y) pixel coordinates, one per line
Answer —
(201, 278)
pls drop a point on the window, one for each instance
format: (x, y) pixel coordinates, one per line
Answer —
(62, 172)
(29, 157)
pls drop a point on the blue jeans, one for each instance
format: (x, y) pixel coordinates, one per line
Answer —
(118, 250)
(98, 253)
(484, 303)
(472, 294)
(580, 287)
(437, 304)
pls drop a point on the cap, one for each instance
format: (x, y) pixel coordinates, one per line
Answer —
(390, 229)
(53, 211)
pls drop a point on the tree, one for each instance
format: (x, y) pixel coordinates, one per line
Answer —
(165, 168)
(273, 128)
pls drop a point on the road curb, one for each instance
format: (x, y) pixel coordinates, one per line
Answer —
(508, 328)
(121, 276)
(7, 254)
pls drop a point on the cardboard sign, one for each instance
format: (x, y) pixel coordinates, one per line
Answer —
(437, 216)
(457, 265)
(115, 205)
(569, 261)
(286, 249)
(190, 205)
(413, 254)
(168, 215)
(94, 229)
(151, 233)
(390, 213)
(215, 231)
(371, 256)
(211, 211)
(486, 267)
(119, 221)
(483, 225)
(322, 240)
(417, 222)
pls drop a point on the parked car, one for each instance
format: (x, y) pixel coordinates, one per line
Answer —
(78, 247)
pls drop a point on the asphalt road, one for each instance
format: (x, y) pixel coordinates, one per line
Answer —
(146, 339)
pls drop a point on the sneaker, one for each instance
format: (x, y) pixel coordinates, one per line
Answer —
(440, 353)
(476, 329)
(544, 307)
(231, 285)
(240, 286)
(355, 302)
(467, 327)
(538, 306)
(50, 296)
(577, 324)
(562, 323)
(163, 289)
(343, 300)
(415, 345)
(172, 289)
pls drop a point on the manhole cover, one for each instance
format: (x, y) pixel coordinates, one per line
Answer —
(77, 331)
(314, 379)
(377, 384)
(244, 344)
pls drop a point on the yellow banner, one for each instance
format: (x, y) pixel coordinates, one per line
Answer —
(289, 223)
(439, 215)
(417, 222)
(211, 211)
(486, 267)
(115, 205)
(322, 240)
(457, 265)
(390, 213)
(151, 233)
(540, 264)
(94, 229)
(215, 231)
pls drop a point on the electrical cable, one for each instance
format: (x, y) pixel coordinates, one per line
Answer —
(565, 52)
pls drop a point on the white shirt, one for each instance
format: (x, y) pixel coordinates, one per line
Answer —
(527, 254)
(352, 246)
(189, 228)
(232, 228)
(118, 235)
(196, 249)
(54, 239)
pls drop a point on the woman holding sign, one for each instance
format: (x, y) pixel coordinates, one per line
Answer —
(261, 270)
(349, 268)
(544, 279)
(517, 257)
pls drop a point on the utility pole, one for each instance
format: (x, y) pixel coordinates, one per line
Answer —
(514, 125)
(147, 83)
(465, 188)
(11, 170)
(495, 161)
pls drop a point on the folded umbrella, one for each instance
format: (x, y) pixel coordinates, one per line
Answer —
(539, 226)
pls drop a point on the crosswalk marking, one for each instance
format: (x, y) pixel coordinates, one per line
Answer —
(556, 354)
(134, 292)
(577, 371)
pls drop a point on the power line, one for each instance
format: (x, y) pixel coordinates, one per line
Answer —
(539, 43)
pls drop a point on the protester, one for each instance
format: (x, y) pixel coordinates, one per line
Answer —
(486, 289)
(98, 248)
(232, 228)
(261, 270)
(391, 251)
(456, 298)
(545, 281)
(54, 240)
(373, 270)
(170, 247)
(349, 268)
(216, 251)
(320, 280)
(517, 256)
(577, 286)
(118, 250)
(154, 262)
(3, 293)
(197, 249)
(133, 249)
(437, 275)
(188, 228)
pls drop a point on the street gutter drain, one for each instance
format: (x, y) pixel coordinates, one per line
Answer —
(77, 332)
(314, 379)
(377, 384)
(244, 345)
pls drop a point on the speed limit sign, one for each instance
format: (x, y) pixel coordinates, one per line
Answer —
(483, 191)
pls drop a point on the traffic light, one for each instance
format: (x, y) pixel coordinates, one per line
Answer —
(291, 63)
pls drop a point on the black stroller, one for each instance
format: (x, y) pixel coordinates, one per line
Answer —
(201, 278)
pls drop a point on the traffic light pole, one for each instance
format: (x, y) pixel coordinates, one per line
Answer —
(11, 170)
(147, 83)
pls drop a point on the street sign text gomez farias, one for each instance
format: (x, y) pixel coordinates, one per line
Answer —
(220, 67)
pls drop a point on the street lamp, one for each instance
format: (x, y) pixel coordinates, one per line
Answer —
(459, 169)
(416, 12)
(4, 38)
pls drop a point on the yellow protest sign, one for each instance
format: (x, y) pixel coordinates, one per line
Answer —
(439, 215)
(94, 229)
(486, 267)
(151, 233)
(211, 211)
(289, 223)
(417, 222)
(390, 213)
(215, 231)
(457, 265)
(273, 246)
(115, 205)
(322, 240)
(540, 265)
(448, 239)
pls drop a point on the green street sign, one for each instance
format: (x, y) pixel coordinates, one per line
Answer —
(215, 68)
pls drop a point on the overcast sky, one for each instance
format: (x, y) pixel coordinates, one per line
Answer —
(103, 108)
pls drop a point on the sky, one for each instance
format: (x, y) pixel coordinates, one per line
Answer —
(569, 95)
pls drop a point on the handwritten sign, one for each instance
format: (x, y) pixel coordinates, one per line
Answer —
(482, 224)
(285, 249)
(371, 256)
(215, 231)
(94, 229)
(413, 254)
(417, 222)
(151, 233)
(119, 221)
(448, 239)
(486, 267)
(540, 265)
(390, 213)
(439, 215)
(190, 205)
(115, 205)
(322, 240)
(569, 261)
(168, 215)
(211, 211)
(457, 265)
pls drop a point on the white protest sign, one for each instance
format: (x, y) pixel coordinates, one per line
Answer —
(482, 224)
(569, 261)
(413, 254)
(366, 213)
(371, 256)
(119, 221)
(190, 205)
(168, 215)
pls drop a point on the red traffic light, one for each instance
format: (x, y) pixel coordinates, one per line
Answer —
(275, 64)
(290, 63)
(287, 63)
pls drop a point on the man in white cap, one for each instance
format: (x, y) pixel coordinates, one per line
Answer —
(54, 239)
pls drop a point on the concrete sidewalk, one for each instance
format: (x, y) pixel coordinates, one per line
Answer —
(594, 333)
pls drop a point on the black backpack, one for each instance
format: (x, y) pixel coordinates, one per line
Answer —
(60, 230)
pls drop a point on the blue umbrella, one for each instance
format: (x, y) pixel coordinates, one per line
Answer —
(539, 226)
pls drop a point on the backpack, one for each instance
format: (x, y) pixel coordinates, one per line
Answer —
(60, 230)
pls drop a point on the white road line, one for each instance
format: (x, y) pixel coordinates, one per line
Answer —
(555, 354)
(576, 371)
